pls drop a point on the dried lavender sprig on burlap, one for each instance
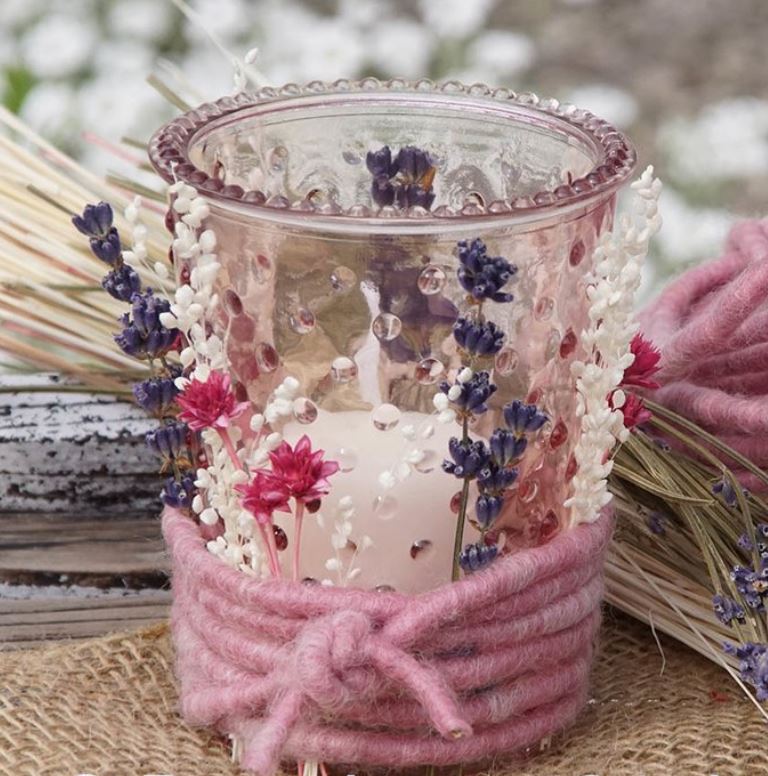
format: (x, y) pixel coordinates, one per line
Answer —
(701, 577)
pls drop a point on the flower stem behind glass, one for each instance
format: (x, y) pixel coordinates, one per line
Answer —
(462, 511)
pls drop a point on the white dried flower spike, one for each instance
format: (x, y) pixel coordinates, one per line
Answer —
(440, 401)
(138, 255)
(446, 416)
(346, 569)
(618, 260)
(454, 392)
(195, 301)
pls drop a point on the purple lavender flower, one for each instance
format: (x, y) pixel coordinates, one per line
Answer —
(478, 338)
(495, 479)
(753, 666)
(179, 493)
(476, 556)
(413, 195)
(122, 283)
(656, 523)
(107, 248)
(487, 509)
(469, 458)
(745, 542)
(724, 488)
(728, 610)
(481, 275)
(523, 418)
(506, 447)
(383, 191)
(169, 441)
(156, 395)
(752, 585)
(405, 180)
(143, 335)
(413, 163)
(473, 394)
(95, 221)
(379, 163)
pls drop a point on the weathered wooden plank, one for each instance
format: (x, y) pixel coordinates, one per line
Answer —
(75, 613)
(38, 549)
(92, 614)
(69, 600)
(77, 630)
(60, 451)
(111, 496)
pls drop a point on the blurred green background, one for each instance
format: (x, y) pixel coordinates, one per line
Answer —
(688, 79)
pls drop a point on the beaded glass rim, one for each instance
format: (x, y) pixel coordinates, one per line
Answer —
(169, 151)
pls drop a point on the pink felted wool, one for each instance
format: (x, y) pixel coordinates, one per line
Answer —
(711, 325)
(475, 669)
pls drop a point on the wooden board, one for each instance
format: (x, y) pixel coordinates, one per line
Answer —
(82, 549)
(26, 622)
(80, 546)
(76, 576)
(63, 450)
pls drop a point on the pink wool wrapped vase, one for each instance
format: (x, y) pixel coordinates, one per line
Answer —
(472, 670)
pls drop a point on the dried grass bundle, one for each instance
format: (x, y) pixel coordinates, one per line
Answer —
(54, 314)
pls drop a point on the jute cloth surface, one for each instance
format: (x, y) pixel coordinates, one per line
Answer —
(107, 707)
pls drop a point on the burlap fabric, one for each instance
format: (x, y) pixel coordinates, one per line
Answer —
(107, 707)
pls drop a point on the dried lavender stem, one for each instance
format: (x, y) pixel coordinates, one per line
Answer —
(462, 511)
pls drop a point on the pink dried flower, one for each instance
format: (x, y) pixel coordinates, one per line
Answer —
(634, 411)
(210, 403)
(264, 495)
(302, 471)
(645, 365)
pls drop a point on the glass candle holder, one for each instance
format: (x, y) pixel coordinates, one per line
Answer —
(357, 301)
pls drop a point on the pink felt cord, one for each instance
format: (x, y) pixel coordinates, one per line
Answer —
(390, 749)
(712, 327)
(301, 671)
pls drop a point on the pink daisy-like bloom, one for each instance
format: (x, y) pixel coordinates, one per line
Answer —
(263, 496)
(634, 411)
(645, 365)
(210, 403)
(302, 471)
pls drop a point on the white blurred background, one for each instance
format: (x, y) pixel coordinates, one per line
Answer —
(687, 79)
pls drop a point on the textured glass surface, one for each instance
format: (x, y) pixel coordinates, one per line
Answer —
(494, 150)
(360, 311)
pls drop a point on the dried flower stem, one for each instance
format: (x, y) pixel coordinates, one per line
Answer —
(229, 446)
(299, 519)
(268, 537)
(461, 517)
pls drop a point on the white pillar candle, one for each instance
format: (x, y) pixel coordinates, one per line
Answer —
(400, 497)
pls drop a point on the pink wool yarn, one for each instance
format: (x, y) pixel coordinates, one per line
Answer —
(711, 325)
(474, 669)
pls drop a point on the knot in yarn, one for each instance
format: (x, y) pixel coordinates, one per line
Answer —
(330, 660)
